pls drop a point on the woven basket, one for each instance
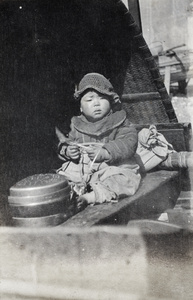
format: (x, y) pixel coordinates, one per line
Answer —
(144, 95)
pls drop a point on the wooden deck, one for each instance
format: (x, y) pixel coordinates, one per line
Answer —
(146, 203)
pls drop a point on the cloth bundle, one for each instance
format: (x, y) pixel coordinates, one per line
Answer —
(152, 148)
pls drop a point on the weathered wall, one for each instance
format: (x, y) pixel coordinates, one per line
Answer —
(165, 21)
(95, 264)
(98, 263)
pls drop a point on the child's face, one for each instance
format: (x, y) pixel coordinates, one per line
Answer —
(94, 106)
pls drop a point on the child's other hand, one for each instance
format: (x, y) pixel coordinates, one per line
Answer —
(98, 153)
(73, 152)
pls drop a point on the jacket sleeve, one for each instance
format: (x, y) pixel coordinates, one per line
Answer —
(64, 142)
(124, 145)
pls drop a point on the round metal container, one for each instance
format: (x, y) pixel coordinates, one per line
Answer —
(46, 208)
(48, 221)
(39, 199)
(38, 185)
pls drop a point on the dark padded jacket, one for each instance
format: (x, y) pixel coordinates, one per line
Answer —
(115, 131)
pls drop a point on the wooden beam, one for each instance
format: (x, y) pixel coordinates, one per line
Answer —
(158, 191)
(140, 97)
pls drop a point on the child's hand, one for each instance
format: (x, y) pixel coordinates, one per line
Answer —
(98, 153)
(73, 152)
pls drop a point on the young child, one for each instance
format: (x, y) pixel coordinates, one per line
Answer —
(99, 153)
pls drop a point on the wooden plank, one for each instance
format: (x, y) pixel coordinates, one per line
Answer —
(151, 227)
(185, 57)
(167, 62)
(136, 97)
(176, 138)
(158, 191)
(134, 8)
(167, 78)
(179, 75)
(179, 69)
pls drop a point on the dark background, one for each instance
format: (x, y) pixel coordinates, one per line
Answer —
(45, 49)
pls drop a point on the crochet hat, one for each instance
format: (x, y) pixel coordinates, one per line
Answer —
(98, 83)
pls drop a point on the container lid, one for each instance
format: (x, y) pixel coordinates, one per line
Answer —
(31, 199)
(38, 184)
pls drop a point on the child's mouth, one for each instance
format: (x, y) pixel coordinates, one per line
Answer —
(98, 111)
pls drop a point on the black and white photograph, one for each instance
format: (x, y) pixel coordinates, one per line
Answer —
(96, 149)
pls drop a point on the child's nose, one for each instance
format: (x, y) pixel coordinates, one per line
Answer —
(96, 101)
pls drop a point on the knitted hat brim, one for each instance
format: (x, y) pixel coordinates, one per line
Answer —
(78, 94)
